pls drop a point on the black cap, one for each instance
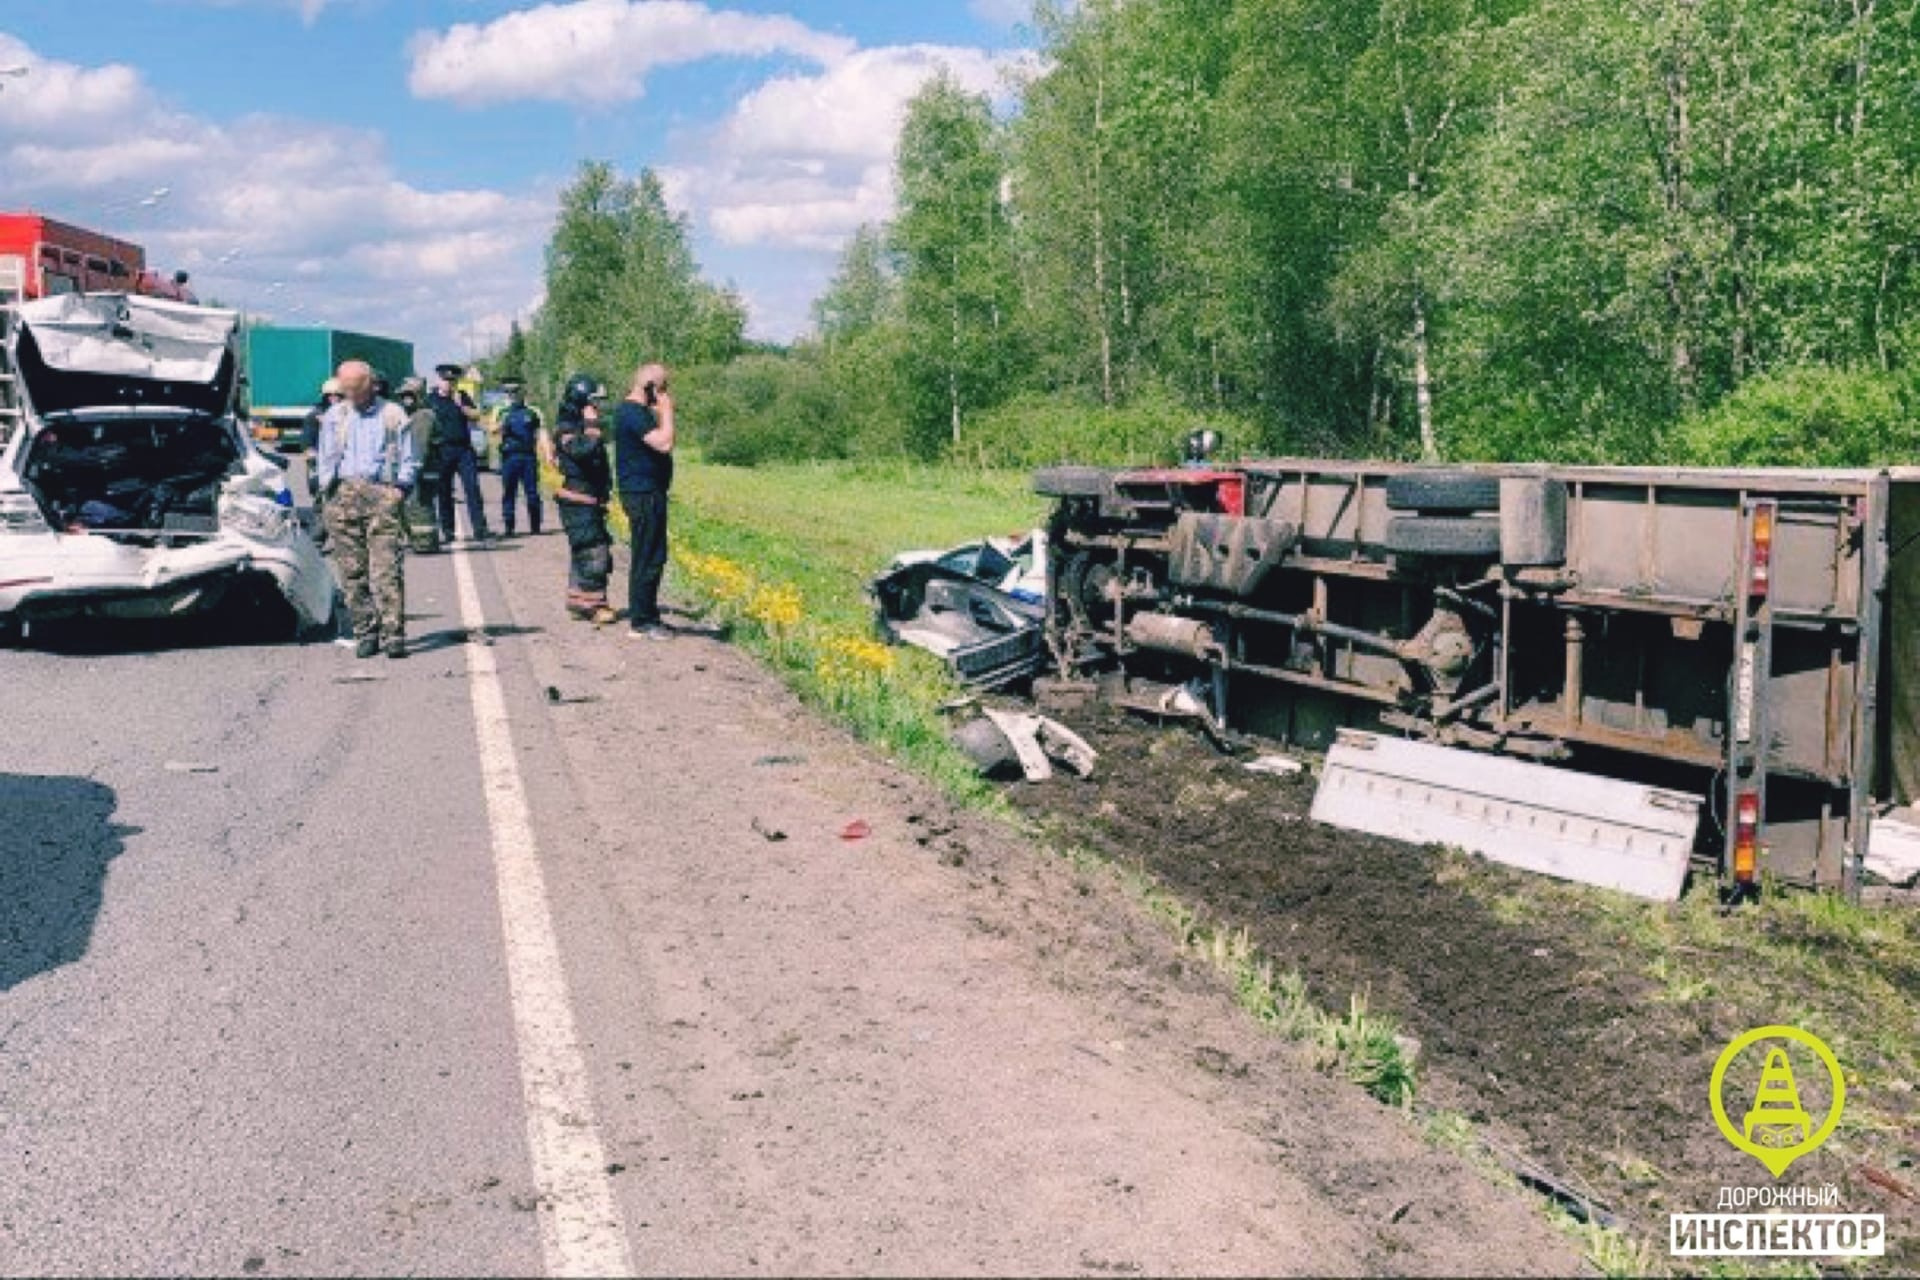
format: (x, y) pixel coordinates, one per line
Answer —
(448, 370)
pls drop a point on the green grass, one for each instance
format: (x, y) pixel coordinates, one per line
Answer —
(828, 528)
(817, 533)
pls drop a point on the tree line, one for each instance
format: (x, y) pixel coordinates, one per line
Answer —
(1578, 230)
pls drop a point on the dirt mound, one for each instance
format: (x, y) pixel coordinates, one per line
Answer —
(1530, 1022)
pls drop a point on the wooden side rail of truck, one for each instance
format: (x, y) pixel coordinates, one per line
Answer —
(1746, 637)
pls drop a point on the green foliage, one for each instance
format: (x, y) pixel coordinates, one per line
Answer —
(623, 289)
(1568, 230)
(1036, 430)
(1807, 417)
(761, 409)
(954, 243)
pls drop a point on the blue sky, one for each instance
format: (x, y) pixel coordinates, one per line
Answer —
(392, 164)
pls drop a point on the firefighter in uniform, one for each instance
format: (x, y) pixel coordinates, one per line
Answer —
(586, 485)
(422, 521)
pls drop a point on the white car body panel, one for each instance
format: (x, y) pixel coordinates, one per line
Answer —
(149, 349)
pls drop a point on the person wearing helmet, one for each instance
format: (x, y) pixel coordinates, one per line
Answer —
(419, 519)
(586, 485)
(310, 443)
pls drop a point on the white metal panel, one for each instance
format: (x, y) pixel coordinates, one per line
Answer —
(1575, 826)
(1893, 850)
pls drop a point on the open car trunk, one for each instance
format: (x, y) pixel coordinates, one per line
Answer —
(136, 479)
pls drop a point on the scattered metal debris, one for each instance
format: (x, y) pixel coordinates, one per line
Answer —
(1000, 740)
(188, 766)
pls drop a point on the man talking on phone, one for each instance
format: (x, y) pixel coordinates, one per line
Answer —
(643, 461)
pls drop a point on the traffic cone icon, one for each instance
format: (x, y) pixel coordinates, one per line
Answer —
(1776, 1104)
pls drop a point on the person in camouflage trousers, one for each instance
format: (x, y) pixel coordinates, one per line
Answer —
(367, 467)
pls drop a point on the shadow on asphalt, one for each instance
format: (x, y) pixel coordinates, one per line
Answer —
(259, 621)
(55, 844)
(454, 637)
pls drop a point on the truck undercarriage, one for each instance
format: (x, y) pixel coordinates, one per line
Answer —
(1721, 634)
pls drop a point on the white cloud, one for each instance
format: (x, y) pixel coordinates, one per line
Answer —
(269, 214)
(1005, 13)
(597, 50)
(803, 161)
(56, 100)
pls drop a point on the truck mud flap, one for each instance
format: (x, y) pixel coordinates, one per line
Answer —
(1574, 826)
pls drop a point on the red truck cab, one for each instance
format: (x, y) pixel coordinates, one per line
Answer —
(41, 257)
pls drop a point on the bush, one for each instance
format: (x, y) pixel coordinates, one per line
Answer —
(1807, 417)
(1038, 430)
(760, 409)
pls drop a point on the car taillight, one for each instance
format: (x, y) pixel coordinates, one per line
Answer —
(1760, 582)
(1746, 837)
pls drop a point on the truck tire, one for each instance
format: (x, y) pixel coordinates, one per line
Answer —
(1072, 482)
(1443, 491)
(1463, 536)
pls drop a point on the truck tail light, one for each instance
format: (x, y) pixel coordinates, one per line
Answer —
(1765, 515)
(1746, 837)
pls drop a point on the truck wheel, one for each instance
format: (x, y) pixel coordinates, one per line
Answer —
(1444, 536)
(1072, 482)
(1443, 491)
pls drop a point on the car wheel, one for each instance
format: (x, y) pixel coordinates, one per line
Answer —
(1444, 536)
(1443, 491)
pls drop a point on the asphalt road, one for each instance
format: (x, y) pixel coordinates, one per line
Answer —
(542, 950)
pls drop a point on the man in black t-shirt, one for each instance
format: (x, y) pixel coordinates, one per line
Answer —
(643, 458)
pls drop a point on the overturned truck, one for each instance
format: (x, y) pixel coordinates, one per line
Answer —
(1738, 647)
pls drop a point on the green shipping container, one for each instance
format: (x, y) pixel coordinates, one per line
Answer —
(286, 366)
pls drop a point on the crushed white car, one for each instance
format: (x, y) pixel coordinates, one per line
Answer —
(128, 488)
(978, 606)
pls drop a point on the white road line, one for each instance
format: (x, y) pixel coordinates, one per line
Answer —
(580, 1225)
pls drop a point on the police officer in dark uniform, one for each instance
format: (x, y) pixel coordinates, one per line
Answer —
(453, 411)
(586, 485)
(520, 428)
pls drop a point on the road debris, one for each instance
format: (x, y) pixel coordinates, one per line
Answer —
(188, 766)
(1887, 1182)
(858, 829)
(978, 606)
(1001, 740)
(772, 835)
(768, 762)
(1893, 848)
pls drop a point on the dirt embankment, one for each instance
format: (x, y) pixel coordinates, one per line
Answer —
(1537, 1018)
